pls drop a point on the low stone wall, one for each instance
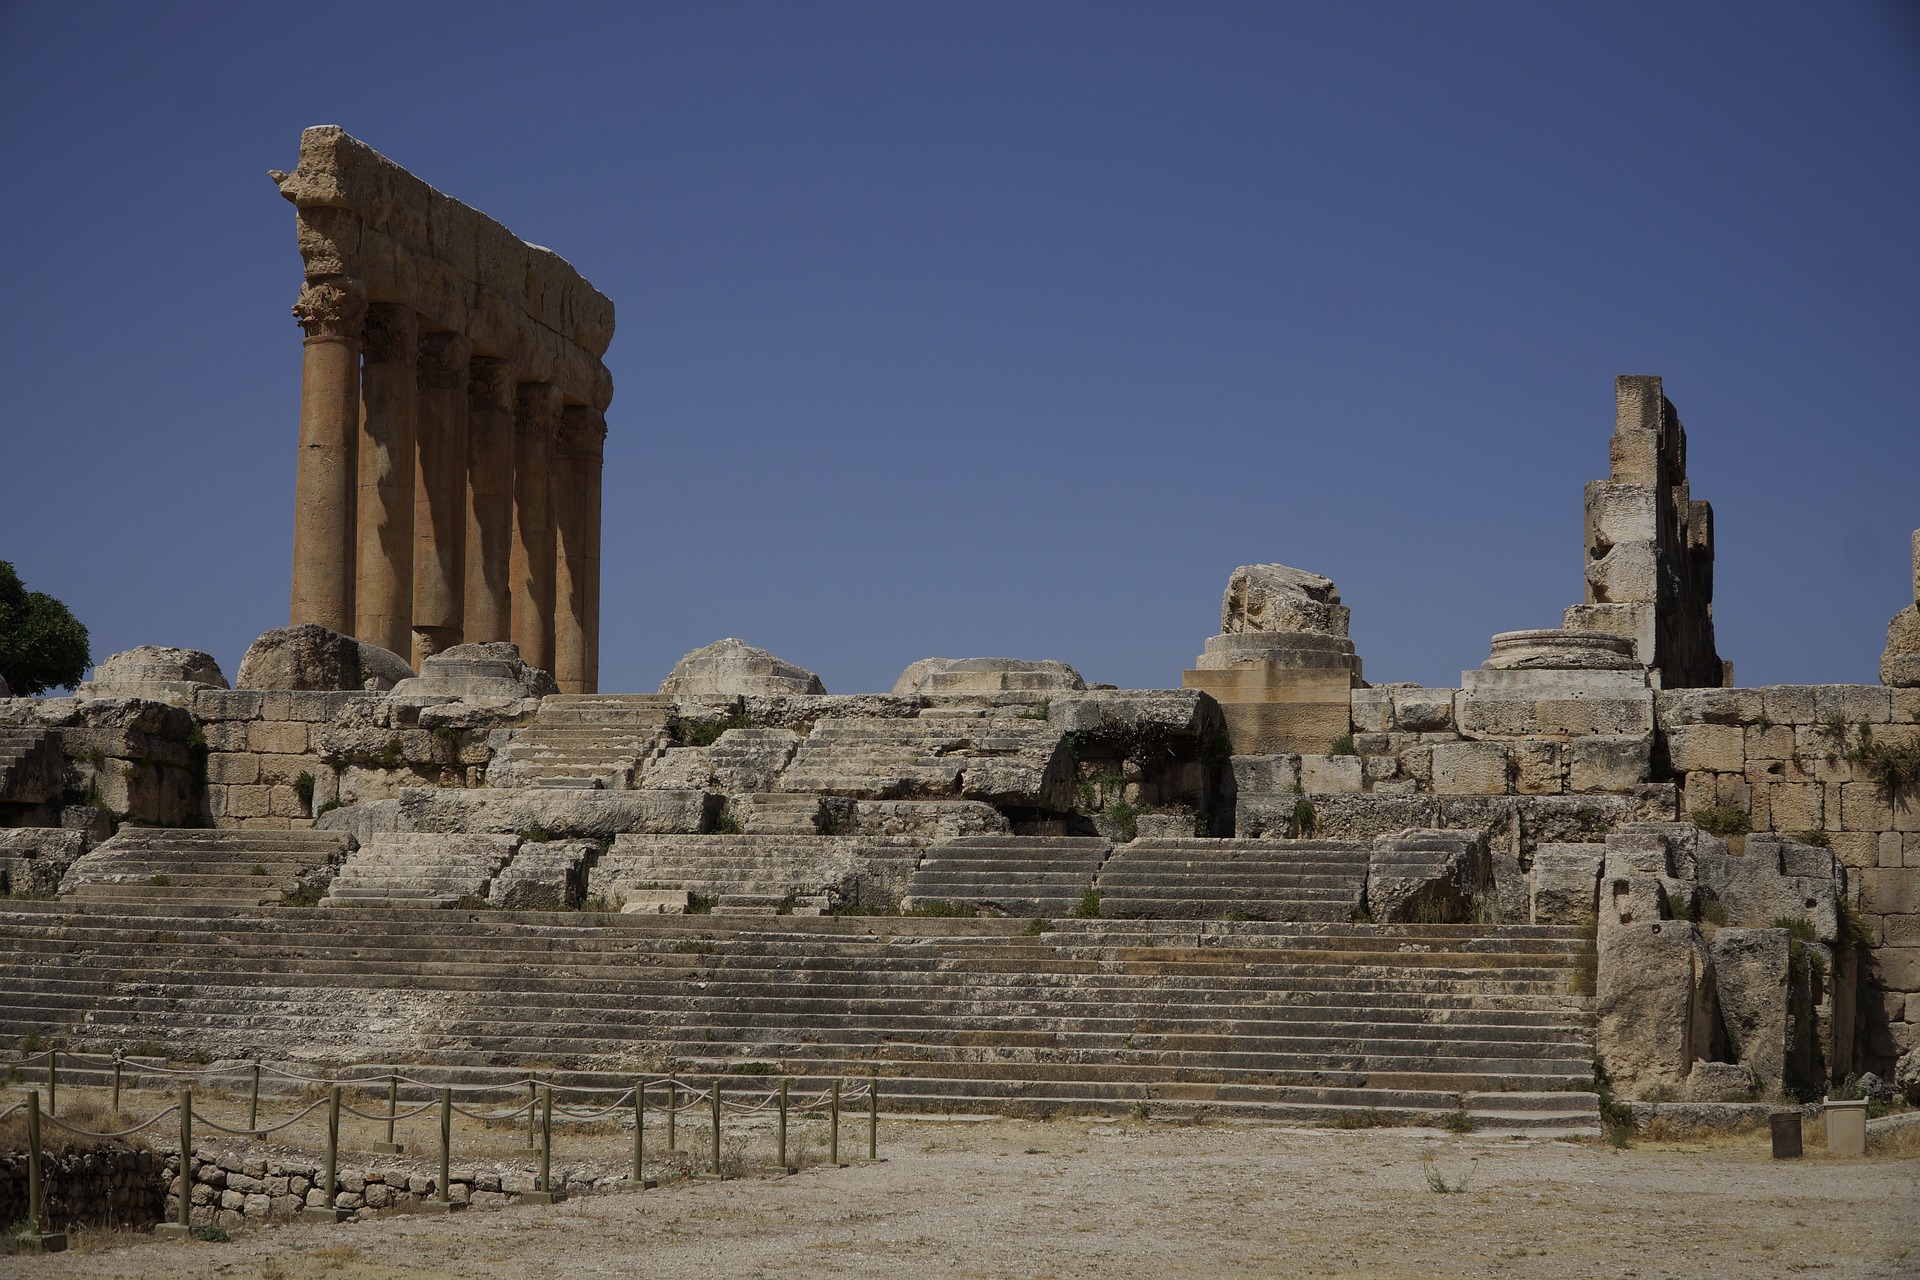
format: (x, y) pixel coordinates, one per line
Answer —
(236, 1188)
(113, 1186)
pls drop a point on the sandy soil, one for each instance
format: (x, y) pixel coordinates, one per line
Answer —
(1095, 1198)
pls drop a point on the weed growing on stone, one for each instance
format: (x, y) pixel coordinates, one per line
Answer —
(1722, 820)
(1457, 1121)
(1305, 819)
(1798, 927)
(704, 733)
(1343, 746)
(1438, 1184)
(1038, 711)
(303, 788)
(1089, 908)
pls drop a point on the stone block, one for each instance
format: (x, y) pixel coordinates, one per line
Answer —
(1423, 710)
(1371, 710)
(1852, 703)
(1677, 708)
(1273, 709)
(1331, 775)
(1427, 876)
(250, 801)
(1655, 1003)
(1905, 705)
(1564, 883)
(1864, 807)
(1626, 574)
(1751, 972)
(1717, 747)
(1607, 764)
(211, 705)
(1788, 703)
(1890, 890)
(1773, 742)
(1559, 703)
(229, 767)
(1470, 768)
(1898, 967)
(278, 738)
(1859, 849)
(1621, 512)
(1795, 807)
(1538, 769)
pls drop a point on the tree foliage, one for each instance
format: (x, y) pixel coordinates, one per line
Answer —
(42, 645)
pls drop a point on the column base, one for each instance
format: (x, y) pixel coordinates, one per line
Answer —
(644, 1184)
(319, 1213)
(436, 1206)
(172, 1231)
(48, 1242)
(387, 1148)
(542, 1197)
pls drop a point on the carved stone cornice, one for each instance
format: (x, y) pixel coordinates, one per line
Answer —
(490, 385)
(391, 334)
(583, 432)
(537, 410)
(444, 359)
(332, 310)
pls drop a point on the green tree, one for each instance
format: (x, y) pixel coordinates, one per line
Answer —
(42, 645)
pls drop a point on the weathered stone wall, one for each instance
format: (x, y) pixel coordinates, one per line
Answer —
(1800, 760)
(115, 1185)
(132, 759)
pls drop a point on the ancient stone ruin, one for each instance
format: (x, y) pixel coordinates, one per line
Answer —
(1276, 890)
(452, 405)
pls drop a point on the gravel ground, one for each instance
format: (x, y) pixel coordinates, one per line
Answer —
(1093, 1198)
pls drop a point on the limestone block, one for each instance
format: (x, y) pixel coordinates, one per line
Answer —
(962, 677)
(1751, 972)
(1538, 768)
(1771, 742)
(1564, 884)
(1890, 890)
(1331, 775)
(564, 812)
(1427, 876)
(1152, 712)
(1720, 1082)
(1655, 1003)
(229, 767)
(491, 672)
(1558, 702)
(1864, 806)
(1626, 574)
(312, 657)
(1637, 624)
(1417, 710)
(33, 860)
(733, 668)
(284, 738)
(1372, 710)
(542, 876)
(1795, 807)
(1380, 768)
(1619, 512)
(1271, 773)
(1602, 763)
(1852, 703)
(1906, 705)
(156, 672)
(1274, 597)
(1775, 878)
(1470, 768)
(1270, 709)
(1718, 747)
(1787, 703)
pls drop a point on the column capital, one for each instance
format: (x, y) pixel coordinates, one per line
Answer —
(537, 410)
(332, 309)
(443, 361)
(391, 334)
(490, 385)
(583, 432)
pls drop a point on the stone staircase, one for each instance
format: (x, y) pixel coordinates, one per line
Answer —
(32, 766)
(1301, 1022)
(590, 740)
(775, 813)
(1303, 880)
(156, 866)
(975, 752)
(418, 869)
(1009, 875)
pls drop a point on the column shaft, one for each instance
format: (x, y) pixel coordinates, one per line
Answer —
(383, 590)
(440, 495)
(592, 500)
(536, 421)
(576, 462)
(490, 410)
(331, 312)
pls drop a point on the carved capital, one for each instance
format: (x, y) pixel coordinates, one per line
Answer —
(490, 386)
(537, 410)
(391, 334)
(583, 432)
(443, 361)
(331, 309)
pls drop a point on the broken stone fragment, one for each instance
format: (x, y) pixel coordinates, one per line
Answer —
(733, 668)
(1427, 876)
(1277, 598)
(985, 676)
(312, 657)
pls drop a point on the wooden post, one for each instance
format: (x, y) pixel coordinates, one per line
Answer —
(873, 1116)
(716, 1126)
(327, 1211)
(443, 1203)
(673, 1113)
(181, 1228)
(533, 1106)
(390, 1147)
(253, 1104)
(53, 1082)
(116, 1080)
(546, 1139)
(33, 1162)
(780, 1131)
(833, 1133)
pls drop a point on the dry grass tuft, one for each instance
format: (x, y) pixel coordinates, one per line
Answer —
(84, 1114)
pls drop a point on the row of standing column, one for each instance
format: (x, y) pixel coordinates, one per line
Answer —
(440, 498)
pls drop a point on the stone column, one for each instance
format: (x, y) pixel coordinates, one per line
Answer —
(590, 497)
(536, 420)
(440, 495)
(383, 591)
(490, 408)
(332, 312)
(576, 471)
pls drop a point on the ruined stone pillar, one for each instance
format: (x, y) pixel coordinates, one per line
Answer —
(576, 484)
(536, 421)
(383, 589)
(490, 408)
(332, 312)
(440, 495)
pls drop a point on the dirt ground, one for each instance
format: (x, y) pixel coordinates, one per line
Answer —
(1147, 1199)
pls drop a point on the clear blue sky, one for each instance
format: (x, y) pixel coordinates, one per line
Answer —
(1010, 329)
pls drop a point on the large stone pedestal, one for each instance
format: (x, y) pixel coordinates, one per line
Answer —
(1280, 691)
